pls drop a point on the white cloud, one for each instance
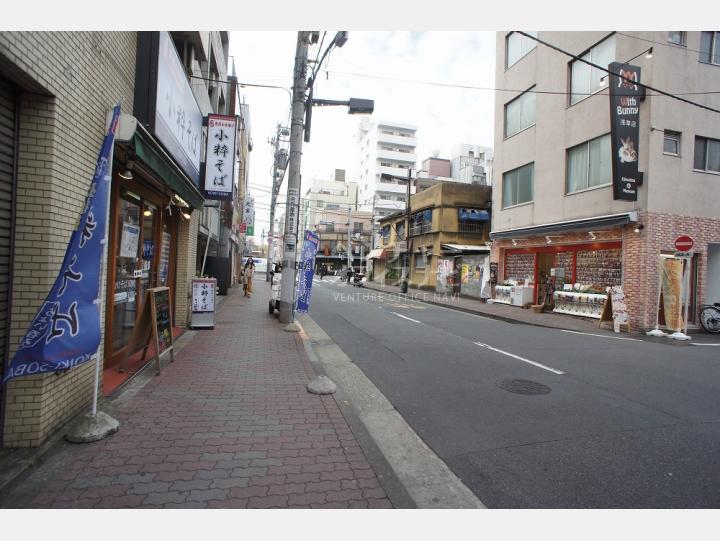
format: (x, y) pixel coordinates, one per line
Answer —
(444, 116)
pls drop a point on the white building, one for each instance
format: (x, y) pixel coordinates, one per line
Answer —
(385, 147)
(472, 164)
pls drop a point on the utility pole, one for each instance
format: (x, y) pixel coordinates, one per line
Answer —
(349, 242)
(273, 198)
(406, 269)
(287, 310)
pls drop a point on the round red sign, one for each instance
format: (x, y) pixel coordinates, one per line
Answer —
(684, 243)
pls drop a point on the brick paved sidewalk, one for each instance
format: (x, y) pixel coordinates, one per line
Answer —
(228, 425)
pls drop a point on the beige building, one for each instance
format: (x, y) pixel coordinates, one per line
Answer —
(553, 199)
(56, 89)
(449, 240)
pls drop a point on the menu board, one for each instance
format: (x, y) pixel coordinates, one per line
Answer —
(519, 266)
(162, 319)
(599, 267)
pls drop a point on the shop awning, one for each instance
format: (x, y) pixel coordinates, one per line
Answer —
(473, 215)
(465, 248)
(583, 224)
(151, 153)
(377, 253)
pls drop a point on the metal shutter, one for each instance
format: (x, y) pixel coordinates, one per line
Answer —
(7, 173)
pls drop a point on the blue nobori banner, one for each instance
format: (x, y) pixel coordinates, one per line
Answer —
(308, 253)
(66, 329)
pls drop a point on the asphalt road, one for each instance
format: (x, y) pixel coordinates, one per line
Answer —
(620, 423)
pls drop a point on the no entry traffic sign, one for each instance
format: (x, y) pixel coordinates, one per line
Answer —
(684, 243)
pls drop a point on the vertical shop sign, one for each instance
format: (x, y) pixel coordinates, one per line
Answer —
(66, 330)
(625, 129)
(219, 167)
(249, 216)
(309, 250)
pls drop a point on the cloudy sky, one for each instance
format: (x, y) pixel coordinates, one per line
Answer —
(370, 65)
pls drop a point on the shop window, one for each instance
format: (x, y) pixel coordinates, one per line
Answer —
(518, 185)
(710, 48)
(599, 268)
(671, 143)
(586, 80)
(519, 267)
(707, 154)
(520, 113)
(588, 164)
(517, 46)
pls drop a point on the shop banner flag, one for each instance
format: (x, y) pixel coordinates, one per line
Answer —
(66, 329)
(309, 250)
(625, 96)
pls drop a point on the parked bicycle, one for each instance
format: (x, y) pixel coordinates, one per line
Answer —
(710, 317)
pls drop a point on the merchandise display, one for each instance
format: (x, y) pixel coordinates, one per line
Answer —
(519, 266)
(502, 294)
(599, 267)
(578, 303)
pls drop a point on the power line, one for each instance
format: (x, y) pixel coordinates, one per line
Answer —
(666, 44)
(596, 66)
(490, 88)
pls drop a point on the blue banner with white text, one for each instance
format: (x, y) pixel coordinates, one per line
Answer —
(307, 257)
(66, 330)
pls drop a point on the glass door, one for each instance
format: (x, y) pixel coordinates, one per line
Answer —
(128, 231)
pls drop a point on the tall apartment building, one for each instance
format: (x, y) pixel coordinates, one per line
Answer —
(471, 164)
(554, 205)
(56, 89)
(385, 147)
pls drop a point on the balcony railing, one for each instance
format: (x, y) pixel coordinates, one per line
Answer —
(470, 228)
(420, 229)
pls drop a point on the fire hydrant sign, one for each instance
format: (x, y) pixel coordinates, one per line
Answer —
(203, 302)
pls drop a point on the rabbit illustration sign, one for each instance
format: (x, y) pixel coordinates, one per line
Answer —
(625, 94)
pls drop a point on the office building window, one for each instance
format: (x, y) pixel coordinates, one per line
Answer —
(678, 38)
(584, 79)
(520, 113)
(517, 46)
(671, 143)
(518, 185)
(710, 47)
(707, 154)
(588, 164)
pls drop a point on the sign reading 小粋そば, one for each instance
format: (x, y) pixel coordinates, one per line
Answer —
(178, 121)
(625, 129)
(218, 172)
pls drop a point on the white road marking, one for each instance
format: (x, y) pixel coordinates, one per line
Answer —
(405, 317)
(603, 335)
(523, 359)
(696, 344)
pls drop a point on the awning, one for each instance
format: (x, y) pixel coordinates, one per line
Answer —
(149, 151)
(465, 248)
(583, 224)
(474, 215)
(377, 253)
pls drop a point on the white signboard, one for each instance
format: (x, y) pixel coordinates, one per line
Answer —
(129, 240)
(291, 212)
(249, 211)
(203, 295)
(220, 157)
(178, 119)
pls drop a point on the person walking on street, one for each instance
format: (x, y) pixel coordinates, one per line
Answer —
(249, 270)
(349, 274)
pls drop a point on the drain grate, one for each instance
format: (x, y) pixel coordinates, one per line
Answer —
(523, 386)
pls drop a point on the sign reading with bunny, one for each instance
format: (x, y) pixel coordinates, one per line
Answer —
(625, 129)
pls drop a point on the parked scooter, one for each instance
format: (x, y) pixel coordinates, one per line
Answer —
(358, 279)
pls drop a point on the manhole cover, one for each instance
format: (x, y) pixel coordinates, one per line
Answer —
(523, 386)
